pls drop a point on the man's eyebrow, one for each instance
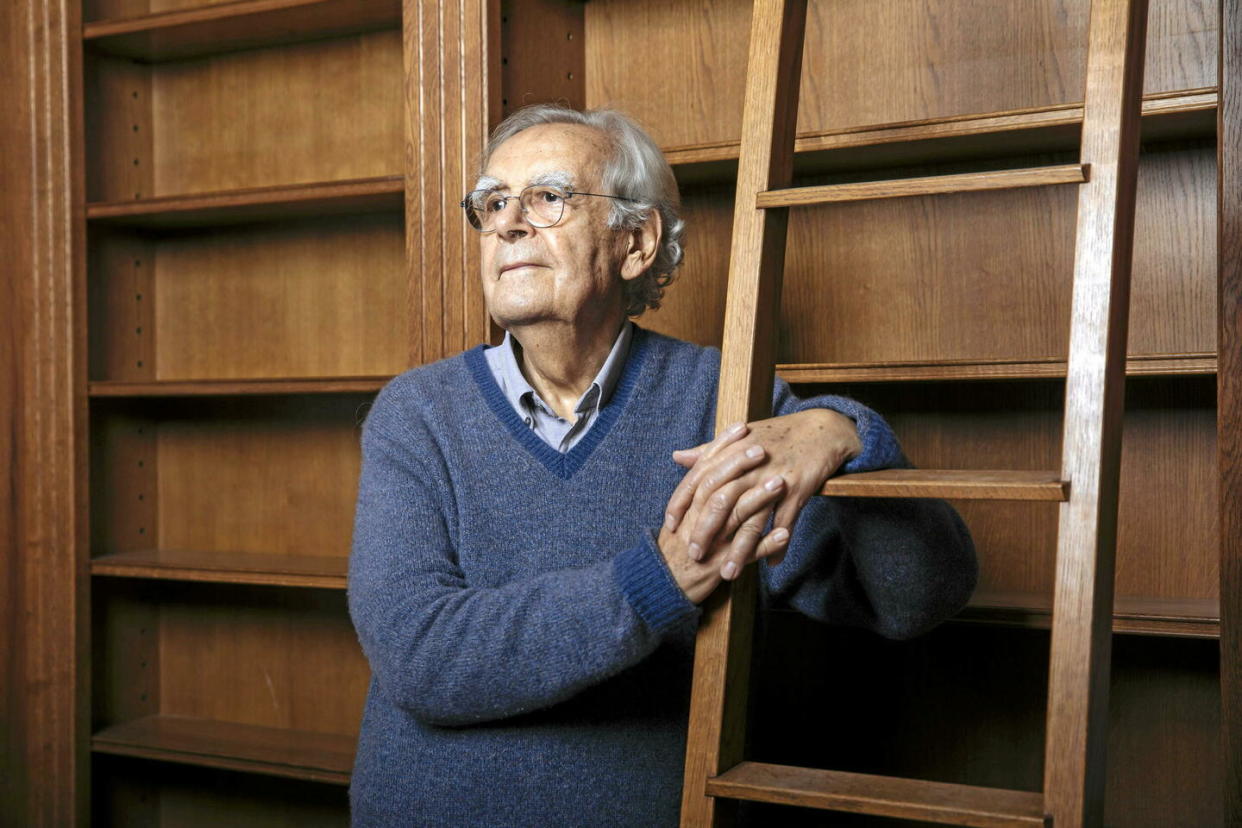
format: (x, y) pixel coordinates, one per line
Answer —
(486, 182)
(554, 178)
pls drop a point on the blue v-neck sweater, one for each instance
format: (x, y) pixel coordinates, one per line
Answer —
(530, 651)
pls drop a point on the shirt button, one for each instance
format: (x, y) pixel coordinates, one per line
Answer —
(528, 420)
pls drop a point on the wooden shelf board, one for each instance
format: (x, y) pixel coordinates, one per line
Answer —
(954, 484)
(1166, 116)
(926, 185)
(245, 24)
(322, 571)
(241, 387)
(1174, 617)
(297, 754)
(880, 795)
(364, 195)
(1044, 368)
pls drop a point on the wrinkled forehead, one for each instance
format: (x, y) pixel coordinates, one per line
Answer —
(565, 155)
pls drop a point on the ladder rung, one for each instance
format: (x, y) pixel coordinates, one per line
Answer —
(932, 185)
(880, 795)
(951, 484)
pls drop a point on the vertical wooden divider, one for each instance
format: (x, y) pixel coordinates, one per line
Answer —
(450, 54)
(1077, 732)
(51, 612)
(1229, 397)
(717, 729)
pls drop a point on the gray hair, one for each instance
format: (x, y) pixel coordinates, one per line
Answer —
(637, 170)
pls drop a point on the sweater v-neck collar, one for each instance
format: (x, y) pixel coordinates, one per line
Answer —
(564, 465)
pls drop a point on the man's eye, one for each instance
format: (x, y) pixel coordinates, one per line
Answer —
(495, 204)
(551, 196)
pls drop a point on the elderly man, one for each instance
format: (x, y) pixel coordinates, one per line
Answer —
(530, 551)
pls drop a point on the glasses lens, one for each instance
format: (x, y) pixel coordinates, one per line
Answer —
(543, 205)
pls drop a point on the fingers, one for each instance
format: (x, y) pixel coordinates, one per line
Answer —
(728, 507)
(750, 545)
(683, 495)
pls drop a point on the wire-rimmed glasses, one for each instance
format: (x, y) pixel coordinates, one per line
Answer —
(543, 205)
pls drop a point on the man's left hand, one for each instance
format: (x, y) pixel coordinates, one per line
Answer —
(804, 449)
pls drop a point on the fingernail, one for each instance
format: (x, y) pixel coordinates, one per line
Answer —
(696, 552)
(735, 428)
(774, 484)
(780, 535)
(670, 522)
(754, 451)
(729, 571)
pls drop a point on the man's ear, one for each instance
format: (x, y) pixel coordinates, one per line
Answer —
(642, 245)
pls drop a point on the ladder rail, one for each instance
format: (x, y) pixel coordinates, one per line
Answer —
(1077, 717)
(717, 726)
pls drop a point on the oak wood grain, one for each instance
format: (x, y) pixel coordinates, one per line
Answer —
(304, 113)
(882, 796)
(218, 388)
(1229, 396)
(931, 185)
(1166, 115)
(322, 757)
(986, 369)
(215, 566)
(951, 484)
(318, 299)
(871, 62)
(254, 204)
(243, 24)
(719, 691)
(1140, 615)
(1076, 739)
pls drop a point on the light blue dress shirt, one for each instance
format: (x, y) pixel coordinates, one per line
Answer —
(553, 429)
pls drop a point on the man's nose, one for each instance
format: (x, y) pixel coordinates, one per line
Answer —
(511, 222)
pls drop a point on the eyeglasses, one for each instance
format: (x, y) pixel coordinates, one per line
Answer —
(543, 205)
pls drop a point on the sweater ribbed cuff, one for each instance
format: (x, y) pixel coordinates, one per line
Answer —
(650, 588)
(880, 449)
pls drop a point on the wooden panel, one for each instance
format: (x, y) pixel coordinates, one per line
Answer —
(925, 278)
(870, 62)
(314, 112)
(277, 658)
(283, 476)
(225, 567)
(238, 25)
(314, 299)
(1229, 321)
(965, 704)
(120, 155)
(451, 94)
(193, 796)
(541, 53)
(300, 754)
(121, 305)
(263, 656)
(1167, 526)
(215, 388)
(367, 195)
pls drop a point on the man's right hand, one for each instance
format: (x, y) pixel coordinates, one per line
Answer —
(698, 570)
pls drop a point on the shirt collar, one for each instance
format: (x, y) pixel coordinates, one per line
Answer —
(504, 364)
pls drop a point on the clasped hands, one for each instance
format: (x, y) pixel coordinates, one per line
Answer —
(715, 518)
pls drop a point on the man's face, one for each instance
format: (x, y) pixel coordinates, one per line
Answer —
(567, 273)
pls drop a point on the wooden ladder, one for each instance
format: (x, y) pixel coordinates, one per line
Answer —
(716, 773)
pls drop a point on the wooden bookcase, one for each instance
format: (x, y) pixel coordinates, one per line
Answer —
(254, 222)
(246, 294)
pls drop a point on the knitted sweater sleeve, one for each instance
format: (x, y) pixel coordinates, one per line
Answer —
(894, 566)
(455, 654)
